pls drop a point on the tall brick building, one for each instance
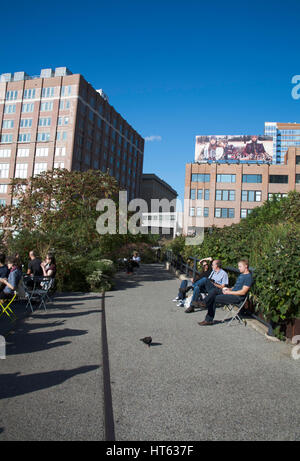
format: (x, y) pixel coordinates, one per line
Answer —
(57, 119)
(221, 194)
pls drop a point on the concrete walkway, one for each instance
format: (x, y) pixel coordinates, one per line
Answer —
(194, 383)
(51, 380)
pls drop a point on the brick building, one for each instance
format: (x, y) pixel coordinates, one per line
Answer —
(222, 194)
(57, 119)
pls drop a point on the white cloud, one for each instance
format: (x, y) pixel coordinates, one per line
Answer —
(153, 138)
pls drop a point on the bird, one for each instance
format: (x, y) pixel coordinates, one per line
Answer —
(147, 340)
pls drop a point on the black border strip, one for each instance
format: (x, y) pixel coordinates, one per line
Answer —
(109, 425)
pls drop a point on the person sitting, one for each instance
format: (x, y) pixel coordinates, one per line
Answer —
(187, 285)
(4, 271)
(134, 261)
(13, 279)
(234, 295)
(217, 280)
(49, 266)
(34, 265)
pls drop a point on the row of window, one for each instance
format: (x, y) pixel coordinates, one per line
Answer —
(40, 137)
(47, 92)
(27, 122)
(227, 178)
(246, 178)
(228, 195)
(46, 106)
(22, 169)
(40, 152)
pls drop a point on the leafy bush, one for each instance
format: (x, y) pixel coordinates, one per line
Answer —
(99, 281)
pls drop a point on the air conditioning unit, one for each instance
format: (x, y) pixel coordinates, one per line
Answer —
(46, 73)
(62, 71)
(5, 77)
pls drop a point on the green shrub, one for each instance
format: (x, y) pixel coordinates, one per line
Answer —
(99, 281)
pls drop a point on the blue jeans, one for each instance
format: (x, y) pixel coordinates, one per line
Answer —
(197, 288)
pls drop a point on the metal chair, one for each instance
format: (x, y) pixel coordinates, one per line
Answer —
(6, 309)
(43, 292)
(235, 313)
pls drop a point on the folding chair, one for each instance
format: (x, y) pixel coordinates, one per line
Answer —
(6, 309)
(43, 293)
(28, 294)
(235, 313)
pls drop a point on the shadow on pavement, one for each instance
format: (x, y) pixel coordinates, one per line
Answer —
(14, 384)
(147, 273)
(34, 342)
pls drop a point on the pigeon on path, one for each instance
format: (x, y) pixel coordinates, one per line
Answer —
(147, 340)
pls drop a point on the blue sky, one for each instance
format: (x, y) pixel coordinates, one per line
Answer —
(173, 69)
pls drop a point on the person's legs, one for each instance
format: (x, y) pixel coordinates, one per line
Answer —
(182, 289)
(197, 288)
(220, 299)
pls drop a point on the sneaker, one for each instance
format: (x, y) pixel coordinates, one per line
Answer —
(180, 304)
(175, 299)
(189, 310)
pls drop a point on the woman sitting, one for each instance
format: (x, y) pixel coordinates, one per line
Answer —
(49, 266)
(134, 261)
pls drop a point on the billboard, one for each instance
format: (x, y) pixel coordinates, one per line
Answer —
(234, 148)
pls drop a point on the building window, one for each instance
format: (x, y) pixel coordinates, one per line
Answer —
(61, 152)
(5, 152)
(297, 159)
(5, 138)
(7, 124)
(225, 195)
(27, 107)
(200, 177)
(252, 178)
(59, 165)
(64, 105)
(192, 211)
(4, 170)
(10, 108)
(224, 212)
(21, 170)
(245, 212)
(66, 90)
(43, 137)
(29, 93)
(46, 106)
(39, 168)
(26, 123)
(199, 212)
(48, 92)
(206, 212)
(226, 178)
(3, 188)
(251, 195)
(45, 121)
(278, 195)
(193, 194)
(278, 179)
(23, 153)
(297, 178)
(206, 194)
(2, 203)
(42, 151)
(11, 95)
(24, 137)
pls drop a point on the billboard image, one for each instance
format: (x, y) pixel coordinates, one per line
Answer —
(241, 148)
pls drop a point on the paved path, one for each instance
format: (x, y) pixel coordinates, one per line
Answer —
(212, 383)
(195, 383)
(51, 380)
